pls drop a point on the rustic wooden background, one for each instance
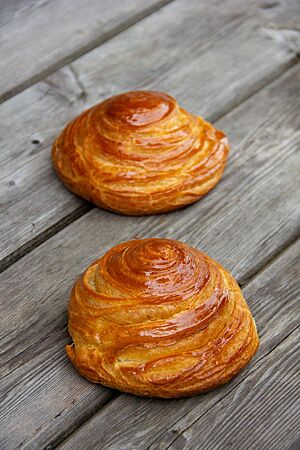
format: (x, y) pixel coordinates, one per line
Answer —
(236, 63)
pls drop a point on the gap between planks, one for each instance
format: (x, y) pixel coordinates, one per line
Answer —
(256, 366)
(118, 29)
(31, 245)
(266, 263)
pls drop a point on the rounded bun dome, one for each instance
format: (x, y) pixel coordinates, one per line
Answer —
(140, 153)
(155, 317)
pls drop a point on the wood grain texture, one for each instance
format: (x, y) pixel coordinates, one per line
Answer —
(155, 424)
(32, 198)
(50, 408)
(235, 224)
(39, 36)
(262, 412)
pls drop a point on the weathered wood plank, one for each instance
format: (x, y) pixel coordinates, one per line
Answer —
(39, 36)
(32, 199)
(45, 394)
(262, 412)
(155, 424)
(254, 188)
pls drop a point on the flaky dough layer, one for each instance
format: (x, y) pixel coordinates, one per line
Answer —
(158, 318)
(140, 153)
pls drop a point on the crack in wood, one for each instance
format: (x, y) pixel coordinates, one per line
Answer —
(83, 93)
(55, 443)
(77, 424)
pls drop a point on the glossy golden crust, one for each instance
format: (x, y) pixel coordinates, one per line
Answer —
(158, 318)
(140, 153)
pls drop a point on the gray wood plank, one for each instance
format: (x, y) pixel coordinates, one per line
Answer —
(51, 401)
(155, 424)
(39, 36)
(34, 202)
(236, 224)
(262, 412)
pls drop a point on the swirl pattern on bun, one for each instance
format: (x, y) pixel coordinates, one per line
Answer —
(155, 317)
(139, 153)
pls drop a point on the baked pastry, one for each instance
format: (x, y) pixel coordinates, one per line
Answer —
(140, 153)
(157, 318)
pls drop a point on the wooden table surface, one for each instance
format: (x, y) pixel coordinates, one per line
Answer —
(236, 63)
